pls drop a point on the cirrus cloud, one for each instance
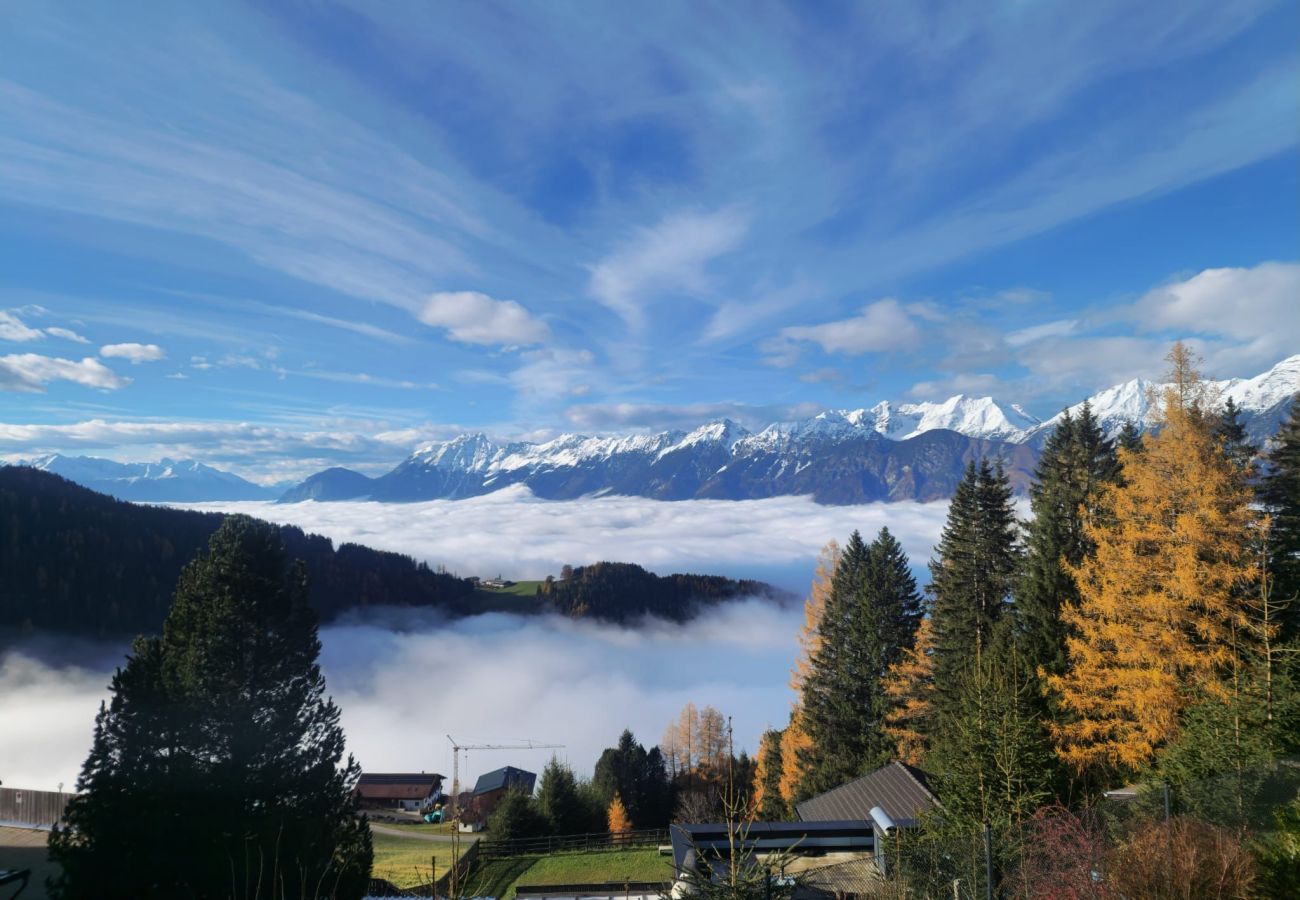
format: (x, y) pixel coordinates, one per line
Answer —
(472, 317)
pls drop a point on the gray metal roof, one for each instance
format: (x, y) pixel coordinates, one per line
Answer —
(902, 791)
(506, 777)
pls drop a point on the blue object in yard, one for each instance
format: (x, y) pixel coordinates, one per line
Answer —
(433, 818)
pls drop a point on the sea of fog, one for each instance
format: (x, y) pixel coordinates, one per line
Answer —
(406, 678)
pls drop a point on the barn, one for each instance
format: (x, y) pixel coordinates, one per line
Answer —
(407, 791)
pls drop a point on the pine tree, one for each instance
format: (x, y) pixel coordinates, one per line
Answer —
(639, 778)
(1280, 495)
(972, 574)
(869, 620)
(768, 804)
(219, 737)
(1129, 437)
(516, 817)
(1077, 460)
(1160, 599)
(1233, 439)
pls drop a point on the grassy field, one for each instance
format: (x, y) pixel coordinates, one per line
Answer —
(519, 597)
(407, 862)
(498, 877)
(420, 827)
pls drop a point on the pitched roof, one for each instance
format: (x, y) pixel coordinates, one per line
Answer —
(398, 786)
(505, 777)
(902, 791)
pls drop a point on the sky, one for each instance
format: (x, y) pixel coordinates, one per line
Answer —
(277, 237)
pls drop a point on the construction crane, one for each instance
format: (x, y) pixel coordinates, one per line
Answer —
(455, 763)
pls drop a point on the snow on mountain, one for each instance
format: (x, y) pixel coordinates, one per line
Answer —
(1263, 400)
(977, 417)
(164, 481)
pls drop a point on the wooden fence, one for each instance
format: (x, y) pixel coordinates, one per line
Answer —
(36, 809)
(493, 849)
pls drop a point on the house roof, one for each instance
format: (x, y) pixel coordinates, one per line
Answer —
(771, 837)
(506, 777)
(398, 786)
(902, 791)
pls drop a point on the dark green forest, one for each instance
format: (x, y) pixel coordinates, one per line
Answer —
(621, 592)
(75, 560)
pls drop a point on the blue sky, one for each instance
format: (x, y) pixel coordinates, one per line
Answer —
(282, 236)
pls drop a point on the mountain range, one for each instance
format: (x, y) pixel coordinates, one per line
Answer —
(890, 451)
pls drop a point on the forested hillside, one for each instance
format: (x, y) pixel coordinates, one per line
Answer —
(621, 592)
(75, 560)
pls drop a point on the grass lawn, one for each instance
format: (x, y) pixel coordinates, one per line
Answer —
(498, 877)
(519, 597)
(407, 861)
(420, 827)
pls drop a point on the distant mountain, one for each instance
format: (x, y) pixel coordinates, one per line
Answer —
(331, 484)
(910, 451)
(165, 481)
(1264, 401)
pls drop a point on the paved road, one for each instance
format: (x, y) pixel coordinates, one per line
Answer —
(21, 848)
(465, 839)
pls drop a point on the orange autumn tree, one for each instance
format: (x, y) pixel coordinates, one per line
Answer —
(1160, 599)
(619, 821)
(908, 688)
(794, 739)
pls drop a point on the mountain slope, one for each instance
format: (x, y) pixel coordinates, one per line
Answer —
(72, 559)
(165, 481)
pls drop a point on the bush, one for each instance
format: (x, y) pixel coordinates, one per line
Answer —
(1183, 859)
(516, 817)
(1063, 857)
(1278, 854)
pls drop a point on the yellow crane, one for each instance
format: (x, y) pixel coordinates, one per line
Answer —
(455, 763)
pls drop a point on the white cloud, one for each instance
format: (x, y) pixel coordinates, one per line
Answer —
(667, 258)
(532, 538)
(883, 326)
(665, 416)
(980, 384)
(136, 353)
(1252, 316)
(30, 372)
(67, 334)
(13, 329)
(1033, 333)
(474, 318)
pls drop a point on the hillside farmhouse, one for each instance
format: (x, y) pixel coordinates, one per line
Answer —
(405, 791)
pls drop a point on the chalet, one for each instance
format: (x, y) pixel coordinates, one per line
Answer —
(492, 786)
(892, 798)
(407, 791)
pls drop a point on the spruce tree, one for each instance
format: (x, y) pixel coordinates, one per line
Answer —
(972, 574)
(559, 800)
(1233, 439)
(219, 755)
(1077, 460)
(769, 805)
(1280, 495)
(1129, 437)
(869, 621)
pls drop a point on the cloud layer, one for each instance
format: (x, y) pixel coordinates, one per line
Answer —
(512, 532)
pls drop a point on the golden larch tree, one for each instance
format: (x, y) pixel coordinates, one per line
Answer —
(795, 738)
(617, 817)
(1160, 599)
(908, 687)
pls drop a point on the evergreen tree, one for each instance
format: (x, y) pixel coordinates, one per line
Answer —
(869, 621)
(517, 816)
(560, 801)
(972, 574)
(219, 736)
(639, 778)
(768, 804)
(1161, 599)
(1129, 437)
(1233, 440)
(1077, 460)
(1280, 495)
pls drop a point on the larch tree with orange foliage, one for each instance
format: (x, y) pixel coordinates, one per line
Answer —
(909, 688)
(767, 803)
(619, 821)
(794, 739)
(1160, 596)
